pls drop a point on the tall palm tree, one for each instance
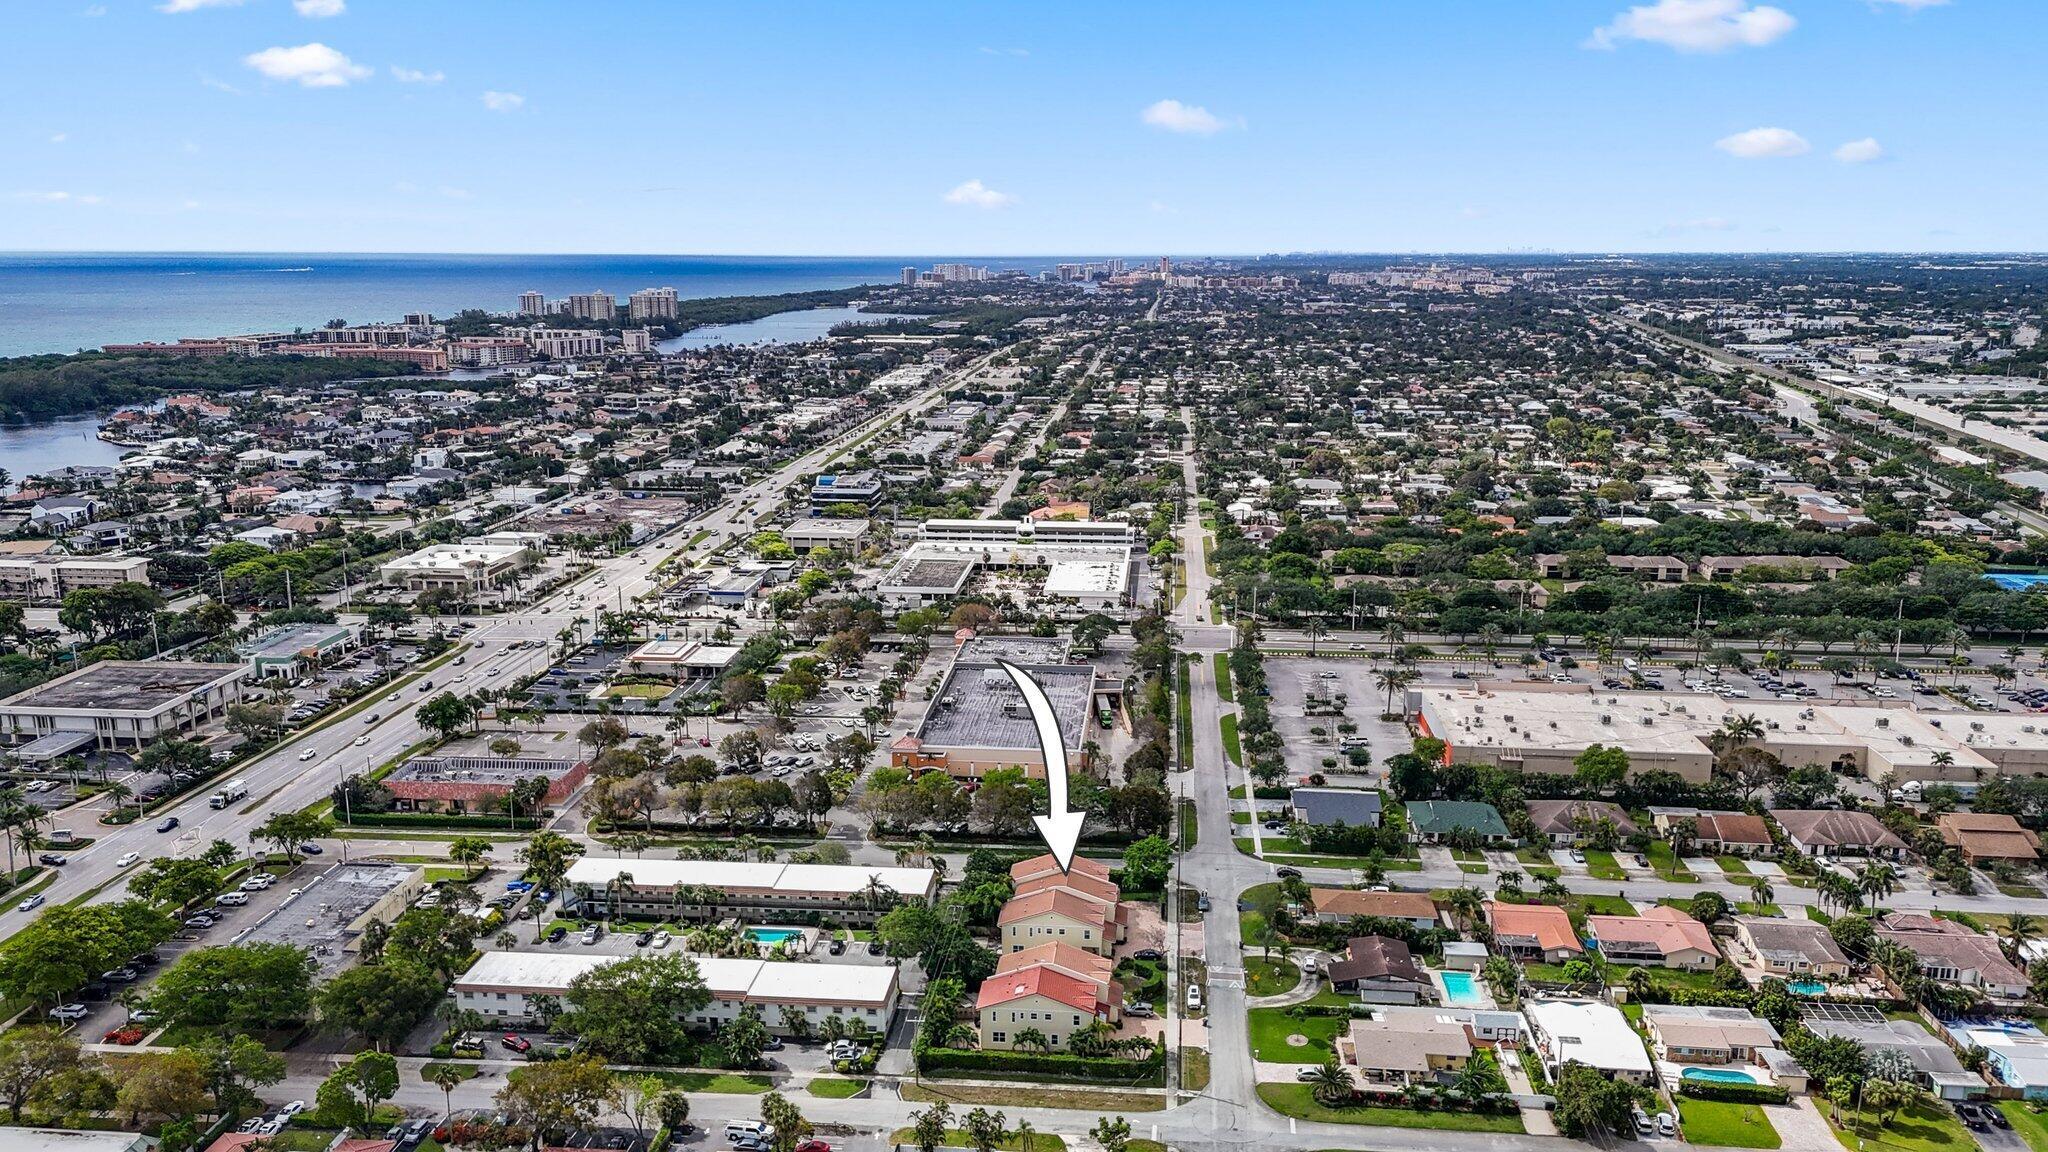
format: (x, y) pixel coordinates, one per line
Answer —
(2021, 929)
(1877, 881)
(1332, 1084)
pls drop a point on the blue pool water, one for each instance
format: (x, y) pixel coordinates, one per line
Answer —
(1719, 1075)
(1460, 989)
(2017, 581)
(1808, 987)
(773, 935)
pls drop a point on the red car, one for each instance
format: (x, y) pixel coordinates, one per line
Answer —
(515, 1042)
(814, 1146)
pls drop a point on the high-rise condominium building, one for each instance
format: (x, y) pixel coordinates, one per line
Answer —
(652, 304)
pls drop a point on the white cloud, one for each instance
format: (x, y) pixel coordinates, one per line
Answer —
(416, 76)
(1914, 5)
(1162, 208)
(219, 85)
(1696, 25)
(975, 194)
(59, 197)
(455, 193)
(987, 51)
(504, 101)
(1860, 151)
(1761, 143)
(1174, 116)
(59, 137)
(95, 11)
(176, 6)
(310, 65)
(320, 9)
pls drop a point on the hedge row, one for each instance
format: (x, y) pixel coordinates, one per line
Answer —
(1732, 1093)
(453, 823)
(1052, 1063)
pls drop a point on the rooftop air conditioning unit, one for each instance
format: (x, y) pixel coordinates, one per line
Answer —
(1799, 727)
(1906, 740)
(2026, 727)
(1606, 719)
(1553, 724)
(1884, 721)
(1508, 718)
(1648, 721)
(1976, 725)
(1771, 724)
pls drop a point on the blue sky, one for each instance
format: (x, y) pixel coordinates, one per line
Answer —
(1189, 128)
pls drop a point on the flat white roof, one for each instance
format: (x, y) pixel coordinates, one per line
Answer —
(1085, 578)
(789, 879)
(1596, 1035)
(766, 981)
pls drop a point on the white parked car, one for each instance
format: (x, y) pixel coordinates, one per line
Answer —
(68, 1012)
(232, 899)
(127, 858)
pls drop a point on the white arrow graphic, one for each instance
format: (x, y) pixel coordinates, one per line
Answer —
(1061, 828)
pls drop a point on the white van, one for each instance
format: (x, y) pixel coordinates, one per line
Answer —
(738, 1130)
(1194, 997)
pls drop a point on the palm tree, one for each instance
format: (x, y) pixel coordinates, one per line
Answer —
(1332, 1084)
(2021, 929)
(1639, 982)
(1761, 893)
(446, 1077)
(1877, 881)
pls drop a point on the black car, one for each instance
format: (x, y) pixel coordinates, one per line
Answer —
(1148, 954)
(1288, 873)
(309, 849)
(644, 939)
(558, 935)
(169, 823)
(874, 947)
(837, 947)
(54, 860)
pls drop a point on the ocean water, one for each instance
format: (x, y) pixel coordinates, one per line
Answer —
(62, 302)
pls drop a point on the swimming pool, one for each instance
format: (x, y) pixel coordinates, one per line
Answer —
(773, 936)
(1461, 989)
(1808, 987)
(1718, 1075)
(2017, 581)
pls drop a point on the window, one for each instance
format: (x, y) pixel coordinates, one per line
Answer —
(998, 1038)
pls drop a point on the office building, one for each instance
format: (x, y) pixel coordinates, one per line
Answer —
(123, 704)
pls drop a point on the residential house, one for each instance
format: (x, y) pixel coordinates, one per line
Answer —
(1566, 821)
(1716, 833)
(1953, 954)
(1987, 838)
(1588, 1032)
(1042, 998)
(1409, 1048)
(1659, 937)
(1327, 807)
(1337, 905)
(1824, 832)
(1537, 932)
(1792, 949)
(1702, 1034)
(1434, 821)
(1379, 970)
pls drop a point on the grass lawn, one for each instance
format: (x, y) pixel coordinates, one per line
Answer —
(1726, 1125)
(2031, 1126)
(1472, 854)
(1542, 872)
(1194, 1069)
(1298, 1101)
(1143, 980)
(837, 1087)
(955, 1138)
(466, 1071)
(1190, 828)
(1596, 905)
(1223, 688)
(1667, 865)
(1271, 1027)
(1601, 866)
(1229, 725)
(1733, 865)
(1473, 869)
(1921, 1128)
(1270, 977)
(732, 1083)
(641, 691)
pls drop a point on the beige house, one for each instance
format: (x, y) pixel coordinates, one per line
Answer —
(1041, 998)
(1699, 1034)
(1395, 1051)
(1660, 938)
(1793, 949)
